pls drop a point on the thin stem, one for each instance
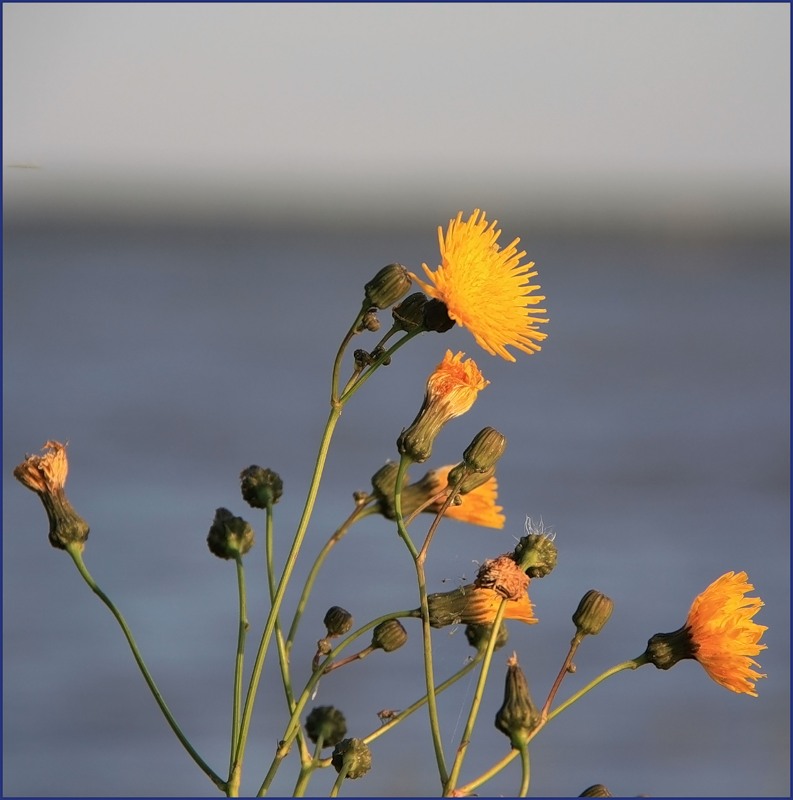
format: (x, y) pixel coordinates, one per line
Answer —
(253, 686)
(574, 644)
(500, 765)
(358, 513)
(334, 380)
(465, 739)
(525, 771)
(76, 554)
(429, 678)
(334, 792)
(239, 661)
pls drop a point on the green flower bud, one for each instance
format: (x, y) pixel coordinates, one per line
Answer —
(326, 722)
(593, 613)
(229, 536)
(517, 716)
(596, 790)
(384, 486)
(479, 635)
(353, 755)
(471, 480)
(387, 286)
(261, 487)
(536, 553)
(337, 621)
(485, 450)
(409, 314)
(389, 635)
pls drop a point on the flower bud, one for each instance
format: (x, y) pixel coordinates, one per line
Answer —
(46, 476)
(596, 790)
(479, 635)
(384, 486)
(471, 480)
(389, 635)
(593, 613)
(354, 756)
(409, 314)
(337, 621)
(517, 716)
(261, 488)
(485, 450)
(387, 286)
(535, 553)
(328, 723)
(229, 536)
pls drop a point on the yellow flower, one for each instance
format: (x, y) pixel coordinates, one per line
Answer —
(477, 605)
(451, 390)
(485, 288)
(719, 633)
(478, 506)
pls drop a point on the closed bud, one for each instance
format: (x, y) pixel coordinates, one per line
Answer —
(391, 283)
(229, 536)
(470, 480)
(536, 553)
(261, 488)
(384, 486)
(337, 621)
(517, 716)
(354, 756)
(389, 635)
(409, 314)
(596, 790)
(327, 723)
(479, 635)
(593, 613)
(485, 450)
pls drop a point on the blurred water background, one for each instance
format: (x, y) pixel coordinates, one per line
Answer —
(174, 316)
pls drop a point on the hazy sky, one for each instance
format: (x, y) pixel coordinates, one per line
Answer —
(312, 96)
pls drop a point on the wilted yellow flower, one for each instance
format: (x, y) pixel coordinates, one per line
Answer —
(485, 288)
(451, 390)
(719, 633)
(472, 604)
(46, 476)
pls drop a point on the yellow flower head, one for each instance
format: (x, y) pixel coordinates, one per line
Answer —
(723, 634)
(477, 507)
(477, 605)
(485, 288)
(719, 633)
(451, 390)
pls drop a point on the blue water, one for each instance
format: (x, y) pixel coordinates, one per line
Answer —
(651, 433)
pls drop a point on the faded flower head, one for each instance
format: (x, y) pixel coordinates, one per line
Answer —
(485, 288)
(477, 605)
(719, 633)
(503, 575)
(46, 476)
(452, 389)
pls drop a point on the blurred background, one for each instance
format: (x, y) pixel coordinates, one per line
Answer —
(194, 197)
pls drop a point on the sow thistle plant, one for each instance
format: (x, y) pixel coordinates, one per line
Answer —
(488, 290)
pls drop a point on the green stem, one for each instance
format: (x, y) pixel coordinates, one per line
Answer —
(499, 765)
(334, 380)
(238, 662)
(334, 792)
(75, 551)
(429, 677)
(253, 686)
(465, 739)
(525, 771)
(358, 513)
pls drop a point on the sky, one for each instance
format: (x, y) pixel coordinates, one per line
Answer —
(571, 107)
